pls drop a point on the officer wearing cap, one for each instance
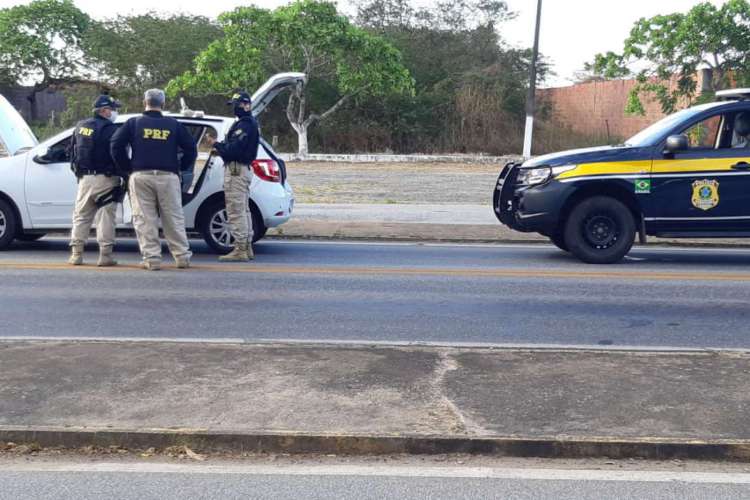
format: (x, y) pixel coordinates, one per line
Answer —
(156, 179)
(238, 150)
(93, 165)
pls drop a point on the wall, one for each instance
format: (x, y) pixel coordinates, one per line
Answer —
(589, 108)
(45, 102)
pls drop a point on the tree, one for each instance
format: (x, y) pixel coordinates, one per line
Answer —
(148, 50)
(42, 43)
(343, 62)
(676, 46)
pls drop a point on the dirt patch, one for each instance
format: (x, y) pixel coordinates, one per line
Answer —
(392, 183)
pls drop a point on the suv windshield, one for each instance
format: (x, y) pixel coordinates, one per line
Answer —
(651, 135)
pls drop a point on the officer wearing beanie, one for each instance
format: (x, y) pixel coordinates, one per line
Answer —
(93, 165)
(238, 151)
(156, 180)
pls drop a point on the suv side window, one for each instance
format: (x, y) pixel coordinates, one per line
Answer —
(705, 134)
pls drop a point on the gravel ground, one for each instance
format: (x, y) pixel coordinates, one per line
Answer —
(393, 183)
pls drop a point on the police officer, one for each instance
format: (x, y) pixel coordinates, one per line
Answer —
(742, 130)
(238, 150)
(93, 165)
(156, 181)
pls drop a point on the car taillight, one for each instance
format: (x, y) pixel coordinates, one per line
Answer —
(267, 170)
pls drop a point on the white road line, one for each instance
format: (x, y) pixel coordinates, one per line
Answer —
(379, 343)
(388, 471)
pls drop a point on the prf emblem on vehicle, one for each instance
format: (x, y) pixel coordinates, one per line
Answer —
(705, 194)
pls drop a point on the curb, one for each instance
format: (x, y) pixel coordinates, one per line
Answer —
(499, 241)
(299, 443)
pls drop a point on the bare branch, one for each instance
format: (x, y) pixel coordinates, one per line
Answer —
(319, 118)
(290, 108)
(302, 105)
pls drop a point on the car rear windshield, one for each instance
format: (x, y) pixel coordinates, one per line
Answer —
(652, 135)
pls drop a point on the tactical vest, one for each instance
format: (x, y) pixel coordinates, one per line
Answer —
(91, 146)
(154, 142)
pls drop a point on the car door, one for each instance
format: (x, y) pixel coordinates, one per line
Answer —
(50, 185)
(706, 187)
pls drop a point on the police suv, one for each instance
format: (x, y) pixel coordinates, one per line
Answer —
(38, 189)
(686, 176)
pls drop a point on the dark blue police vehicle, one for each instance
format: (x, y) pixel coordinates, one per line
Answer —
(686, 176)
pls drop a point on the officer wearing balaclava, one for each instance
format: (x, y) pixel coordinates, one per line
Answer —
(238, 151)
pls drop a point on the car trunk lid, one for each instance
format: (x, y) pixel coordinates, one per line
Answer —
(273, 87)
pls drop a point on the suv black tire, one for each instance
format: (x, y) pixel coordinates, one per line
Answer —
(8, 224)
(600, 230)
(204, 227)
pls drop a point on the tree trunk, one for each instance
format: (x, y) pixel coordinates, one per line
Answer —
(302, 144)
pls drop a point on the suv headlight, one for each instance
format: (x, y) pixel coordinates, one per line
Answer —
(540, 175)
(531, 176)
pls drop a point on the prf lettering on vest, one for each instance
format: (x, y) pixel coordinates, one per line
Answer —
(87, 132)
(156, 134)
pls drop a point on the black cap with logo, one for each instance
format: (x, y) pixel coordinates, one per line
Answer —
(105, 101)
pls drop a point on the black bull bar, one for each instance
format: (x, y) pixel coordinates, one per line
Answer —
(503, 198)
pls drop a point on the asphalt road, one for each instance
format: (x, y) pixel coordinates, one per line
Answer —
(320, 482)
(307, 291)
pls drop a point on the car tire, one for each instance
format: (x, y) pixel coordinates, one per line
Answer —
(600, 230)
(213, 226)
(8, 224)
(559, 241)
(30, 237)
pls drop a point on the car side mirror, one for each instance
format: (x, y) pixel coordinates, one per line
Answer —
(42, 157)
(676, 143)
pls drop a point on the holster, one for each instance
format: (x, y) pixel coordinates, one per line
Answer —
(114, 195)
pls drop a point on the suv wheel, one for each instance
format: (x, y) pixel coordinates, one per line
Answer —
(8, 224)
(214, 227)
(600, 230)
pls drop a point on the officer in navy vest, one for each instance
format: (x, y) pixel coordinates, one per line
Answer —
(238, 150)
(94, 167)
(155, 182)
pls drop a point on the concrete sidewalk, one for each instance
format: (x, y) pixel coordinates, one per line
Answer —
(348, 399)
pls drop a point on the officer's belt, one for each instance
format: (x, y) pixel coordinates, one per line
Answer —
(93, 172)
(154, 172)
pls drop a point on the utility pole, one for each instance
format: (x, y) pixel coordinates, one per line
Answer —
(531, 97)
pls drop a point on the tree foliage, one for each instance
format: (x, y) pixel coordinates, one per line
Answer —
(674, 47)
(42, 42)
(308, 36)
(148, 50)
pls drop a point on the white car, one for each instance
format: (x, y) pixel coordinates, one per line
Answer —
(38, 189)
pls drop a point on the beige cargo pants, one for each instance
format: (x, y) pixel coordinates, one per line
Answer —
(90, 187)
(236, 190)
(155, 194)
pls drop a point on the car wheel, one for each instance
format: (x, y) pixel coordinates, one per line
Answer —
(8, 224)
(600, 230)
(214, 227)
(559, 241)
(30, 236)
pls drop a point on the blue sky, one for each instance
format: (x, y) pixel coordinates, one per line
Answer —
(572, 30)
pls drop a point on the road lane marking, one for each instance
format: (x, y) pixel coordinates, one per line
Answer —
(365, 343)
(373, 470)
(387, 271)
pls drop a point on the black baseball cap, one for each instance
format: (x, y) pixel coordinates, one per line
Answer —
(241, 97)
(105, 101)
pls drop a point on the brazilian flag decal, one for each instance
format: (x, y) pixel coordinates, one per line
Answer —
(643, 186)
